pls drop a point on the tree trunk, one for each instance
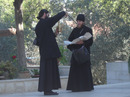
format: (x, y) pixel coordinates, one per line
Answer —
(8, 32)
(20, 33)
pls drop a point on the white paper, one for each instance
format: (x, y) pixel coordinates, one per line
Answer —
(67, 42)
(86, 36)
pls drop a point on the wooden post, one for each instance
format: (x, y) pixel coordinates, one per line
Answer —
(8, 32)
(20, 34)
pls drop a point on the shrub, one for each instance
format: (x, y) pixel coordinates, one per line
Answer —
(8, 67)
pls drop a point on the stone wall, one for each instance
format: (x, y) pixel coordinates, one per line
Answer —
(30, 84)
(24, 85)
(117, 72)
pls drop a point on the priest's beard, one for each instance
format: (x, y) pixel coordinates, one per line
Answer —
(80, 26)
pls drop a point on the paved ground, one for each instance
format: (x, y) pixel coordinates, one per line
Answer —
(113, 90)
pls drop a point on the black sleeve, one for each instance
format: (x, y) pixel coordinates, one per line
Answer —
(89, 42)
(71, 38)
(53, 20)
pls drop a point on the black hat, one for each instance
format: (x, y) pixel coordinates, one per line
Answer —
(81, 17)
(41, 13)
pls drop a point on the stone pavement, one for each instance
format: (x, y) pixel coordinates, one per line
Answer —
(111, 90)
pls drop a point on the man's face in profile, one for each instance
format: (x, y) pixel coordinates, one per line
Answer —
(47, 15)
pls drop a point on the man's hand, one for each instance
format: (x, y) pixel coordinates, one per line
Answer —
(66, 15)
(80, 42)
(57, 31)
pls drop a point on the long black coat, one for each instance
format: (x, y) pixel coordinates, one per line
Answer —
(46, 37)
(49, 52)
(80, 76)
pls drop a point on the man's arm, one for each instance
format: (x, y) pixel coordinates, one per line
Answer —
(89, 42)
(53, 20)
(71, 38)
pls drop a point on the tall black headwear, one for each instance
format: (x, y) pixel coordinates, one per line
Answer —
(81, 17)
(41, 13)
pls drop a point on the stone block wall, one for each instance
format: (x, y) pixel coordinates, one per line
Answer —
(117, 72)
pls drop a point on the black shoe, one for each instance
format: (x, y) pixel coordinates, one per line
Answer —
(50, 93)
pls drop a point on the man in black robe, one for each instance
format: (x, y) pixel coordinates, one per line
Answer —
(49, 52)
(80, 76)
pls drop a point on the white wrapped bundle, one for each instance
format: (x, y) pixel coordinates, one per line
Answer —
(85, 37)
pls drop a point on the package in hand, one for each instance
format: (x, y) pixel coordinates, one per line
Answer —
(85, 37)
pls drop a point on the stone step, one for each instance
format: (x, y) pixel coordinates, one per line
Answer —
(111, 90)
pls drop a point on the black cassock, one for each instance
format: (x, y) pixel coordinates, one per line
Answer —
(49, 52)
(80, 76)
